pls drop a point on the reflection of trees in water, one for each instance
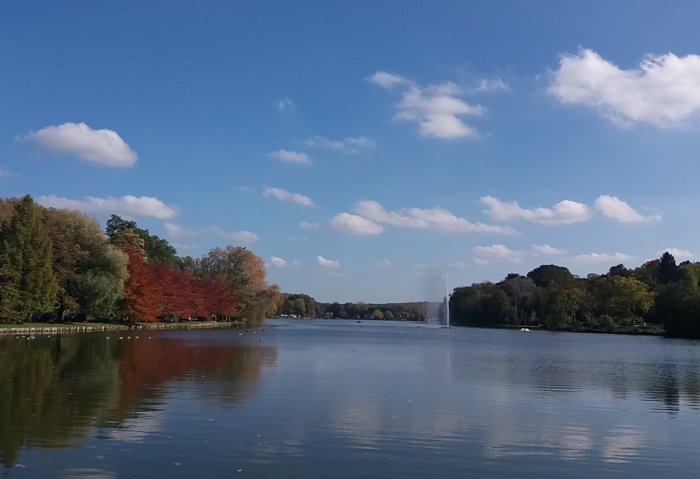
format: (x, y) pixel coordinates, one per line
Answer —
(668, 384)
(54, 390)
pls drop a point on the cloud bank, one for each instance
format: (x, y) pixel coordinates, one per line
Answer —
(125, 206)
(435, 108)
(345, 146)
(354, 224)
(99, 146)
(484, 254)
(663, 91)
(177, 231)
(603, 258)
(242, 236)
(284, 195)
(431, 218)
(291, 157)
(564, 212)
(615, 208)
(327, 263)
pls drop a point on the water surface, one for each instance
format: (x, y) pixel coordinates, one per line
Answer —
(342, 399)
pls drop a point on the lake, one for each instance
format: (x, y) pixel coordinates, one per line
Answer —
(343, 399)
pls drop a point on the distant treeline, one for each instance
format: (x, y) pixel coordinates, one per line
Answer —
(58, 263)
(302, 305)
(659, 292)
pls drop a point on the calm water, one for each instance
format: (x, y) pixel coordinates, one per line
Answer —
(340, 399)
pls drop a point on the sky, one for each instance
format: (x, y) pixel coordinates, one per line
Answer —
(363, 148)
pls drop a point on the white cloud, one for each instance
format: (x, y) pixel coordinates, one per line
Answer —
(615, 208)
(276, 261)
(242, 236)
(349, 223)
(124, 206)
(101, 146)
(490, 85)
(603, 258)
(346, 146)
(309, 226)
(664, 90)
(679, 254)
(388, 80)
(184, 247)
(547, 250)
(286, 104)
(177, 231)
(384, 263)
(497, 252)
(291, 157)
(435, 108)
(432, 218)
(327, 263)
(564, 212)
(284, 195)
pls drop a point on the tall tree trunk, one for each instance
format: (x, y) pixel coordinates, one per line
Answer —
(59, 313)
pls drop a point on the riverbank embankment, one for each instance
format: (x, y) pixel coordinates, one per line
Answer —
(65, 328)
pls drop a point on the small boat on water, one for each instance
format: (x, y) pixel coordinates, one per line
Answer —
(524, 329)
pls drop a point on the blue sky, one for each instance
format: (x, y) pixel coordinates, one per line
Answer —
(362, 147)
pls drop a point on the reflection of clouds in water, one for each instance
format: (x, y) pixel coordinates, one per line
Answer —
(86, 473)
(508, 439)
(325, 367)
(292, 445)
(575, 442)
(358, 418)
(136, 429)
(623, 445)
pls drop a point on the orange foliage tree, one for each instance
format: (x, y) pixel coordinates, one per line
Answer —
(142, 294)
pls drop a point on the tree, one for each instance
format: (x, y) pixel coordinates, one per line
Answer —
(546, 274)
(620, 270)
(90, 271)
(556, 307)
(245, 273)
(157, 249)
(27, 280)
(521, 290)
(630, 296)
(377, 314)
(142, 293)
(667, 268)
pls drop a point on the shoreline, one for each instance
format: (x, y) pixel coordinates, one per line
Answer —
(62, 328)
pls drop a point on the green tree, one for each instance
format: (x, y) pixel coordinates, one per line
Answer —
(157, 249)
(27, 280)
(668, 270)
(89, 269)
(377, 314)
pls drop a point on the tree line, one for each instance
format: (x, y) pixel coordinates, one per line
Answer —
(304, 306)
(58, 263)
(660, 292)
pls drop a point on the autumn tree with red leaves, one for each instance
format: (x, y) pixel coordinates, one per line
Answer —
(142, 294)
